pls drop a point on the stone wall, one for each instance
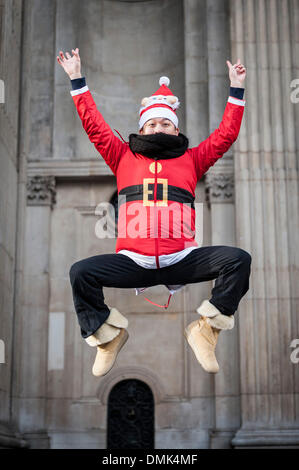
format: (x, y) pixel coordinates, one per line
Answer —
(265, 34)
(52, 178)
(10, 218)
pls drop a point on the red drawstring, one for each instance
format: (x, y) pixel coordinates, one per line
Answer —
(121, 136)
(163, 306)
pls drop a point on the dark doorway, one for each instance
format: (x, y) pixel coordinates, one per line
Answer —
(130, 416)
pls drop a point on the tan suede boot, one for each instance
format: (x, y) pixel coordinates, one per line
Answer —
(202, 338)
(109, 330)
(107, 354)
(202, 335)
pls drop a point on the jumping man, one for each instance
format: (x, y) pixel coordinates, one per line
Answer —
(156, 175)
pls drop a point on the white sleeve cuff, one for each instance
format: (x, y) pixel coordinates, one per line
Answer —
(79, 91)
(233, 100)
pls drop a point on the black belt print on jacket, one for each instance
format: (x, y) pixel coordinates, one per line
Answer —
(145, 192)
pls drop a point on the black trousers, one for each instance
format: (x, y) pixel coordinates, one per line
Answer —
(230, 266)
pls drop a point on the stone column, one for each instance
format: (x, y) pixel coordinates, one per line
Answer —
(263, 36)
(220, 188)
(32, 331)
(43, 63)
(199, 387)
(196, 71)
(11, 34)
(34, 142)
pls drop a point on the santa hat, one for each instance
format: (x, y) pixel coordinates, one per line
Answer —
(161, 104)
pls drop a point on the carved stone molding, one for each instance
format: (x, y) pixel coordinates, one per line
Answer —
(69, 168)
(41, 191)
(255, 438)
(219, 187)
(140, 373)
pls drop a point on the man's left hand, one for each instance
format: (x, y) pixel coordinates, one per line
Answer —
(237, 74)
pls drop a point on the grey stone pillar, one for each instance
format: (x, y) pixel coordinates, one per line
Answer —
(196, 71)
(32, 328)
(11, 16)
(199, 386)
(266, 175)
(33, 223)
(31, 354)
(42, 59)
(220, 187)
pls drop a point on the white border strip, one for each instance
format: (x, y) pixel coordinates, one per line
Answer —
(233, 100)
(158, 113)
(79, 91)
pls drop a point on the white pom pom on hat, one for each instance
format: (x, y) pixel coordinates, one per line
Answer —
(164, 81)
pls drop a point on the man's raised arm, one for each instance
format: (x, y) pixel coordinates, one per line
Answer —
(98, 131)
(217, 144)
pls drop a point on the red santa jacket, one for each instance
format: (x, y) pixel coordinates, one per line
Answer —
(156, 196)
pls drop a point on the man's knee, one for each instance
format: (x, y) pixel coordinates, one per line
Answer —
(244, 257)
(76, 271)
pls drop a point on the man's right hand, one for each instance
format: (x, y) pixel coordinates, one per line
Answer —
(71, 65)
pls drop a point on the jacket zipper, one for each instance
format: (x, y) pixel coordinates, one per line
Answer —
(156, 238)
(155, 217)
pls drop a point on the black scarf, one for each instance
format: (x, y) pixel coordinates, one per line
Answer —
(159, 145)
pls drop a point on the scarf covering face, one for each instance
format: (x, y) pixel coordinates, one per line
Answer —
(159, 145)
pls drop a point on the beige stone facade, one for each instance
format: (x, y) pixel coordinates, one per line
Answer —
(51, 180)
